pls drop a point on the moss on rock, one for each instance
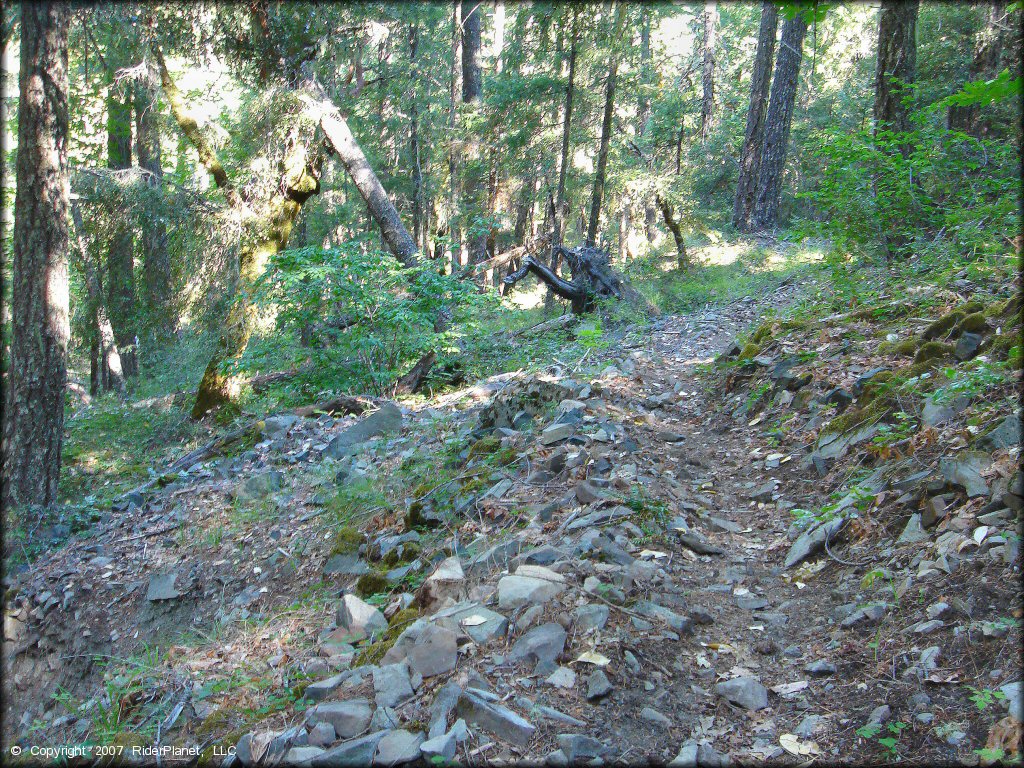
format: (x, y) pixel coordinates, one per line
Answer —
(374, 653)
(906, 348)
(484, 446)
(933, 350)
(943, 326)
(371, 583)
(750, 350)
(973, 323)
(346, 541)
(403, 553)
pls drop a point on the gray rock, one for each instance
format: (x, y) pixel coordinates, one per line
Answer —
(1006, 435)
(398, 747)
(161, 587)
(578, 747)
(347, 717)
(598, 685)
(563, 677)
(539, 645)
(699, 544)
(820, 668)
(654, 716)
(927, 627)
(276, 425)
(321, 689)
(813, 541)
(387, 419)
(465, 617)
(542, 555)
(591, 616)
(360, 618)
(444, 702)
(443, 746)
(322, 734)
(965, 471)
(652, 610)
(498, 556)
(687, 757)
(434, 652)
(914, 532)
(556, 432)
(763, 492)
(384, 719)
(747, 692)
(1014, 701)
(529, 585)
(259, 486)
(879, 715)
(391, 684)
(692, 755)
(357, 752)
(494, 718)
(600, 518)
(550, 713)
(864, 378)
(751, 602)
(967, 346)
(808, 726)
(346, 565)
(727, 526)
(588, 493)
(300, 757)
(934, 510)
(833, 445)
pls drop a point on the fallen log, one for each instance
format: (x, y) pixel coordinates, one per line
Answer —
(592, 278)
(413, 380)
(503, 259)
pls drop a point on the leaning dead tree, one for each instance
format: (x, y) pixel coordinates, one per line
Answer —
(592, 278)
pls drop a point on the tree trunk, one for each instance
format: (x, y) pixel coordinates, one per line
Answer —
(120, 259)
(682, 259)
(472, 95)
(644, 107)
(418, 206)
(108, 372)
(33, 418)
(992, 52)
(778, 122)
(156, 264)
(895, 67)
(707, 78)
(566, 127)
(606, 130)
(298, 183)
(750, 155)
(454, 223)
(396, 236)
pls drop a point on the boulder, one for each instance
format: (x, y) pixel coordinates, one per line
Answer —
(434, 652)
(359, 618)
(357, 752)
(813, 541)
(387, 419)
(540, 645)
(398, 747)
(480, 623)
(497, 720)
(348, 718)
(447, 584)
(747, 692)
(529, 585)
(391, 684)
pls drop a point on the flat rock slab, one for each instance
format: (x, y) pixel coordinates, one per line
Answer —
(1006, 435)
(442, 746)
(813, 541)
(598, 685)
(434, 652)
(591, 616)
(965, 470)
(480, 623)
(357, 752)
(398, 747)
(161, 587)
(541, 644)
(346, 565)
(747, 692)
(601, 517)
(497, 720)
(387, 419)
(360, 618)
(391, 684)
(529, 585)
(348, 718)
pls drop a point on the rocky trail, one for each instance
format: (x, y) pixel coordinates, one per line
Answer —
(612, 562)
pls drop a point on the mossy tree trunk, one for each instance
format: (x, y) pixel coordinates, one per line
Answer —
(272, 224)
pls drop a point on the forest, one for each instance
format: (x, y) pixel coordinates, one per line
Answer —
(507, 381)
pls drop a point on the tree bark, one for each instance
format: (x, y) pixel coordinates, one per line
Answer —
(472, 95)
(682, 259)
(418, 206)
(707, 79)
(156, 264)
(606, 129)
(895, 66)
(120, 256)
(299, 182)
(108, 374)
(778, 122)
(454, 223)
(566, 127)
(644, 107)
(994, 49)
(396, 236)
(33, 418)
(760, 80)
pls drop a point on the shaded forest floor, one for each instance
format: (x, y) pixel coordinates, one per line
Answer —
(780, 527)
